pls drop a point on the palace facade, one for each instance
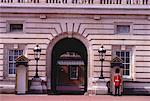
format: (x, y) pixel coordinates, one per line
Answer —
(70, 33)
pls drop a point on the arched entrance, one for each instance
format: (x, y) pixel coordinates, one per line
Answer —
(67, 65)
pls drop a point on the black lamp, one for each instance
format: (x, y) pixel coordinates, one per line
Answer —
(102, 52)
(37, 52)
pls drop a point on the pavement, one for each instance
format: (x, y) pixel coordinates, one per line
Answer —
(13, 97)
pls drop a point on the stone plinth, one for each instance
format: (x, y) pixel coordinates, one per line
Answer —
(36, 85)
(97, 87)
(101, 87)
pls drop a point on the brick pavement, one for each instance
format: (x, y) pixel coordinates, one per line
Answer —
(12, 97)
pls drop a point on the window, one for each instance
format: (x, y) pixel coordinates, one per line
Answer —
(122, 29)
(11, 51)
(73, 72)
(12, 55)
(16, 27)
(126, 57)
(126, 53)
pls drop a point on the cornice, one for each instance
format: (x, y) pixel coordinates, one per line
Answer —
(75, 9)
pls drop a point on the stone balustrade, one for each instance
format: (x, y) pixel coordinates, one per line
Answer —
(104, 2)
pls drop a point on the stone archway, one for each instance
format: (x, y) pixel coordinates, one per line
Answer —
(79, 40)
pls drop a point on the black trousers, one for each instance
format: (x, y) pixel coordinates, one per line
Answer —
(117, 90)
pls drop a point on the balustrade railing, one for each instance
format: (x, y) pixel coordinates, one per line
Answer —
(118, 2)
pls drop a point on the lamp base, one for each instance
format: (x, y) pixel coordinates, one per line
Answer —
(101, 77)
(100, 87)
(36, 85)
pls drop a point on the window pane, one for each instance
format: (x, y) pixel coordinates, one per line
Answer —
(118, 54)
(122, 54)
(127, 66)
(14, 71)
(10, 65)
(73, 69)
(123, 28)
(16, 27)
(16, 52)
(127, 60)
(15, 57)
(20, 52)
(127, 72)
(10, 52)
(127, 54)
(10, 71)
(10, 58)
(73, 72)
(73, 75)
(14, 65)
(124, 66)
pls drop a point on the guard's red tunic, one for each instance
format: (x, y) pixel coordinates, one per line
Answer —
(117, 80)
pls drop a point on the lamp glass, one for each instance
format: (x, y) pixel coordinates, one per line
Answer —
(102, 52)
(37, 52)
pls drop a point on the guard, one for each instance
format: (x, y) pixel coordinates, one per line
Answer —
(117, 82)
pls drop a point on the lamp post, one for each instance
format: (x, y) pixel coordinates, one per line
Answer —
(37, 52)
(102, 52)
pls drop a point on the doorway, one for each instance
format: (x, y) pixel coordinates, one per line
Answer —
(69, 67)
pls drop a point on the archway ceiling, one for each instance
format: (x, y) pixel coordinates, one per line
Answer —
(70, 45)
